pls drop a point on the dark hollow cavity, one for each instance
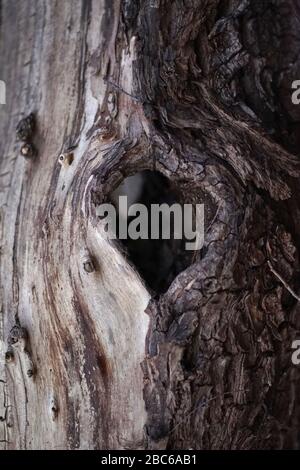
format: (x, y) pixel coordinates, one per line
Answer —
(157, 261)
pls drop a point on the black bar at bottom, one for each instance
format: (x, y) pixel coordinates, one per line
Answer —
(136, 459)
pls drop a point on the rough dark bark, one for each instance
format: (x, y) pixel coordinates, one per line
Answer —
(201, 92)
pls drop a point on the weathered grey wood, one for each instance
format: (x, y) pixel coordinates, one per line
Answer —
(86, 331)
(198, 90)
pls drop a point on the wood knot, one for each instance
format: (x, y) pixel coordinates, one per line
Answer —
(54, 408)
(25, 128)
(88, 266)
(24, 131)
(66, 159)
(17, 334)
(28, 150)
(9, 356)
(112, 105)
(30, 373)
(18, 344)
(88, 262)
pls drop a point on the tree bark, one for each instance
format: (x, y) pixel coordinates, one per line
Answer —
(200, 91)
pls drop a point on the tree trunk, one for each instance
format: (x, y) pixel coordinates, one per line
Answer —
(200, 91)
